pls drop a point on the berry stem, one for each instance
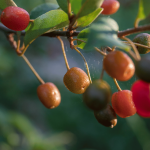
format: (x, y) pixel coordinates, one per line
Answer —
(86, 64)
(101, 52)
(137, 44)
(134, 47)
(33, 70)
(64, 53)
(117, 85)
(132, 54)
(18, 43)
(102, 73)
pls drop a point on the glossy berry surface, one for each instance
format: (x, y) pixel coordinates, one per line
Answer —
(142, 68)
(15, 18)
(110, 7)
(119, 65)
(106, 117)
(123, 104)
(97, 95)
(141, 97)
(76, 80)
(49, 95)
(144, 39)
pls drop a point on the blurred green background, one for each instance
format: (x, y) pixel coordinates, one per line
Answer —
(25, 124)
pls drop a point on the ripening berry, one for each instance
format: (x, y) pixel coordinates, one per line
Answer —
(110, 7)
(119, 65)
(97, 95)
(76, 80)
(49, 95)
(106, 117)
(144, 39)
(123, 104)
(15, 18)
(142, 68)
(141, 97)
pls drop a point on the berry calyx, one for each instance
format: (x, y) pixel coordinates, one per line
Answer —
(76, 80)
(15, 18)
(119, 65)
(141, 97)
(144, 39)
(97, 95)
(106, 117)
(123, 104)
(110, 7)
(142, 68)
(49, 95)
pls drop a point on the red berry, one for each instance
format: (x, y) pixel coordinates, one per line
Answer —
(110, 7)
(123, 104)
(49, 95)
(119, 65)
(141, 97)
(15, 18)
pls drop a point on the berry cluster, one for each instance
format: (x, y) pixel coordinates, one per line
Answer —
(97, 96)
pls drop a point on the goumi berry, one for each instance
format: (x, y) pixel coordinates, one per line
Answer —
(76, 80)
(49, 95)
(123, 104)
(15, 18)
(119, 65)
(110, 7)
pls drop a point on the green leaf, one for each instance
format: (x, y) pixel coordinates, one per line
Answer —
(88, 19)
(42, 9)
(103, 33)
(85, 7)
(6, 3)
(83, 35)
(144, 10)
(63, 5)
(50, 21)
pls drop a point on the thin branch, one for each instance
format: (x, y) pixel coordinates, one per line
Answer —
(75, 33)
(133, 30)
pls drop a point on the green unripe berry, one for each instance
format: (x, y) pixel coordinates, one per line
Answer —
(144, 39)
(97, 95)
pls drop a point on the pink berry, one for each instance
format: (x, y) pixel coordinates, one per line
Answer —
(141, 97)
(15, 18)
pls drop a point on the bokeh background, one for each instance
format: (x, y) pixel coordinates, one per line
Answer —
(25, 124)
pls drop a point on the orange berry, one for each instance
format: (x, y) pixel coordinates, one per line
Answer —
(119, 65)
(123, 104)
(76, 80)
(49, 95)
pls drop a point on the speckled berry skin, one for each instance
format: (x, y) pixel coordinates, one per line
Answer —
(144, 39)
(141, 97)
(49, 95)
(15, 18)
(76, 80)
(123, 104)
(110, 7)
